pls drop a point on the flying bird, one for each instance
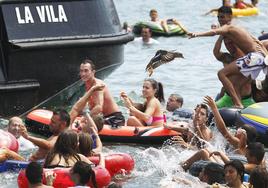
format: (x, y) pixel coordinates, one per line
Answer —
(161, 57)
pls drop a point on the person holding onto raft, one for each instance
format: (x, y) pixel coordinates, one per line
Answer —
(13, 127)
(100, 102)
(154, 18)
(152, 115)
(249, 66)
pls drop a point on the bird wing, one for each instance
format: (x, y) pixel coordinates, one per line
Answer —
(161, 57)
(154, 60)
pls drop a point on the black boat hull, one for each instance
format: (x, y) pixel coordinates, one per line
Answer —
(39, 58)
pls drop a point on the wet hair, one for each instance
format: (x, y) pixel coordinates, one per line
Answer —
(85, 173)
(214, 172)
(204, 106)
(65, 146)
(159, 94)
(238, 165)
(99, 121)
(34, 172)
(256, 149)
(64, 115)
(259, 177)
(85, 61)
(153, 11)
(178, 97)
(85, 144)
(225, 10)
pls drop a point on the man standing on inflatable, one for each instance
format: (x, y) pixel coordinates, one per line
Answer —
(249, 65)
(59, 122)
(100, 101)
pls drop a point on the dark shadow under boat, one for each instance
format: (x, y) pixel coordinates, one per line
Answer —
(44, 42)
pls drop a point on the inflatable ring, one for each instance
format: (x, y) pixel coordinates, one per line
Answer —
(127, 134)
(229, 116)
(245, 12)
(241, 12)
(256, 115)
(116, 163)
(157, 30)
(8, 140)
(63, 179)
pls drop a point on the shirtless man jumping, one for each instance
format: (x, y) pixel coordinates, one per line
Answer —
(226, 58)
(249, 65)
(100, 101)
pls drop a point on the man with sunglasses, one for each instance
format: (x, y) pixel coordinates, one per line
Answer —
(245, 68)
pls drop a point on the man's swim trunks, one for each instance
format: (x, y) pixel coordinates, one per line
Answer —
(226, 101)
(252, 64)
(115, 119)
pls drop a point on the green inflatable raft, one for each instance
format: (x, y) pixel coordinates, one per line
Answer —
(157, 30)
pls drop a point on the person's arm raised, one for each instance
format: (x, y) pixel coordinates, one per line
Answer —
(91, 127)
(98, 103)
(220, 123)
(219, 31)
(42, 143)
(211, 11)
(81, 103)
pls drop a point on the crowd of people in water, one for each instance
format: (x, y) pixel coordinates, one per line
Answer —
(245, 58)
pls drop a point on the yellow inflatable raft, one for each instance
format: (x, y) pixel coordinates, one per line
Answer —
(245, 12)
(241, 12)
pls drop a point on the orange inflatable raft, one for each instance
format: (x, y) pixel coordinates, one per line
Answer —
(63, 179)
(38, 122)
